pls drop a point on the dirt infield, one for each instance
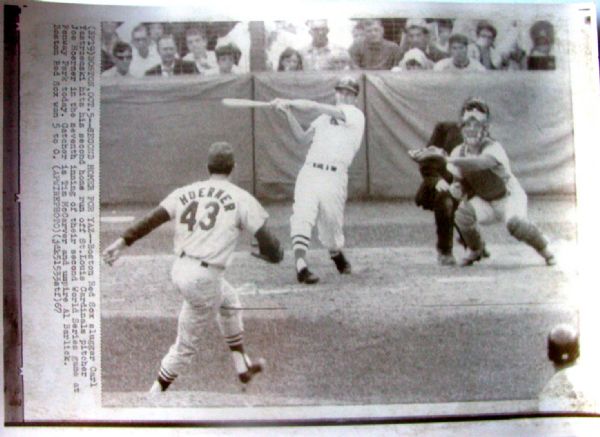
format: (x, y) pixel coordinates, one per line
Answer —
(399, 330)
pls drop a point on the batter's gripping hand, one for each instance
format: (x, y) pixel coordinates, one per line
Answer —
(281, 105)
(113, 252)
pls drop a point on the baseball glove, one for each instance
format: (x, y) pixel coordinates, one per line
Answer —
(273, 257)
(429, 154)
(269, 247)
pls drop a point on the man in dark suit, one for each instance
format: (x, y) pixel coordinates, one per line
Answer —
(446, 135)
(170, 65)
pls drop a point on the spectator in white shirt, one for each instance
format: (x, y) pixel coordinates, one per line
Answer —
(145, 55)
(206, 61)
(318, 54)
(459, 60)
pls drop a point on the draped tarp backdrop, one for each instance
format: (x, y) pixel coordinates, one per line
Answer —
(155, 132)
(531, 117)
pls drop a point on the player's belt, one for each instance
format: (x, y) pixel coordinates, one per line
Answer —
(202, 263)
(324, 166)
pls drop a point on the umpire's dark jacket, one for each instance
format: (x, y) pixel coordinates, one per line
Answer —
(446, 135)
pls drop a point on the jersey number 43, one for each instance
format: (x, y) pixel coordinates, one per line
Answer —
(207, 219)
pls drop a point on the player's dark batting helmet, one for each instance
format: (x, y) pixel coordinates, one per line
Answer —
(348, 83)
(563, 344)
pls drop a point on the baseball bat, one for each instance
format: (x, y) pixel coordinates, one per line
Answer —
(245, 103)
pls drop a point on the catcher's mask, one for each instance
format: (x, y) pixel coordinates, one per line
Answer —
(474, 120)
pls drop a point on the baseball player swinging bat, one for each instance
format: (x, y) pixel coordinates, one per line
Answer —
(245, 103)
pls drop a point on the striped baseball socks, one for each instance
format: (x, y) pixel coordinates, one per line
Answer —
(300, 247)
(243, 366)
(164, 379)
(236, 346)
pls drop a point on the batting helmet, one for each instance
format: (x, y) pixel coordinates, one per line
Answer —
(220, 158)
(348, 83)
(563, 344)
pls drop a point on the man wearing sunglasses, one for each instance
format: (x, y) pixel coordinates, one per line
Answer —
(487, 189)
(122, 55)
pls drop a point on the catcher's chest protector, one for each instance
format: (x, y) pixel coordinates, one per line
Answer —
(484, 183)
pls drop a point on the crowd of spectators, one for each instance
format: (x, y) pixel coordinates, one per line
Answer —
(414, 44)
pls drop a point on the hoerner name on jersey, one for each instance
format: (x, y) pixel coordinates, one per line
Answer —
(210, 192)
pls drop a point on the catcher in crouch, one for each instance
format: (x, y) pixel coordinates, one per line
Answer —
(486, 187)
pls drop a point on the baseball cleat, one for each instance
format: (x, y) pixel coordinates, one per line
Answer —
(548, 256)
(253, 369)
(342, 264)
(155, 391)
(446, 259)
(473, 256)
(306, 276)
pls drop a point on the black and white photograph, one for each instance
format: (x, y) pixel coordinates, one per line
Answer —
(416, 225)
(363, 215)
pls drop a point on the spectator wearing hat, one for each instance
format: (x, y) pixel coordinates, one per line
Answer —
(541, 56)
(414, 60)
(459, 60)
(227, 58)
(417, 36)
(290, 60)
(484, 49)
(318, 54)
(195, 40)
(373, 52)
(170, 65)
(122, 55)
(574, 386)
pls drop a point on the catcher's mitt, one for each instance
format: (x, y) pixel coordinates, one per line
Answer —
(429, 154)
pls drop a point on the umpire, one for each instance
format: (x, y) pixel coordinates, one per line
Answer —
(446, 136)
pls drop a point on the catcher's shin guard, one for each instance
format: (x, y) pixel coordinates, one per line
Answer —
(525, 231)
(466, 221)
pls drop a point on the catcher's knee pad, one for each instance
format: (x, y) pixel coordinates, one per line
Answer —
(465, 217)
(525, 231)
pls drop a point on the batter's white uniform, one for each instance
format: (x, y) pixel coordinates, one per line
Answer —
(209, 217)
(321, 187)
(513, 204)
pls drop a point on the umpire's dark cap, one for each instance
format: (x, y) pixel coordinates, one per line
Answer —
(563, 344)
(220, 158)
(349, 84)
